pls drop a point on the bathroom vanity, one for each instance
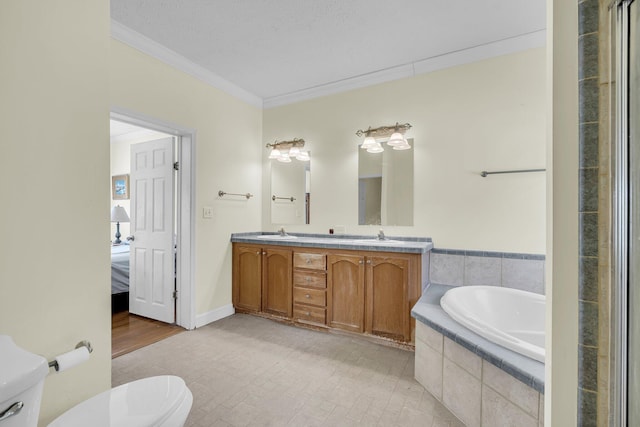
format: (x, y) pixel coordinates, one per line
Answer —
(347, 283)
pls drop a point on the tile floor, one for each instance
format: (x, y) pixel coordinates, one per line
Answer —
(249, 371)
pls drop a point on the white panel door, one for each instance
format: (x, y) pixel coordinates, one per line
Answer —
(152, 264)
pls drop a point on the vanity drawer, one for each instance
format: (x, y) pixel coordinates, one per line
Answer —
(312, 261)
(310, 296)
(307, 278)
(306, 313)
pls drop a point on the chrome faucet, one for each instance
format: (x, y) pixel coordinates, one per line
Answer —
(381, 235)
(282, 232)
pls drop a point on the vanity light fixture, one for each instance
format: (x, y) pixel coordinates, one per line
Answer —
(395, 133)
(283, 151)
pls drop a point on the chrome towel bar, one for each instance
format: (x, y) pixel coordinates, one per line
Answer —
(224, 193)
(274, 198)
(485, 173)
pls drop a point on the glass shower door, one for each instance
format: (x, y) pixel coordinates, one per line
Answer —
(633, 135)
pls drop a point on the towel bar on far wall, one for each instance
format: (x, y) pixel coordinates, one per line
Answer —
(274, 198)
(223, 193)
(485, 173)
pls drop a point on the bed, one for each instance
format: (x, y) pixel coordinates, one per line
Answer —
(119, 278)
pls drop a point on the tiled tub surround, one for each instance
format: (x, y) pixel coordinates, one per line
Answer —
(511, 270)
(482, 383)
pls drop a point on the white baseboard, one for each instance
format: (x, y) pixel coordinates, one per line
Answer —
(213, 315)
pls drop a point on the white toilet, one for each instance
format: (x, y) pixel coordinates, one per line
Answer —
(163, 401)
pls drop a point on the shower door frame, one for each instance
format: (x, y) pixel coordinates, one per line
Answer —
(621, 213)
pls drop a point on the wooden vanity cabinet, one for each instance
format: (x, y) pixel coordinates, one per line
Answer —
(276, 282)
(357, 291)
(387, 297)
(262, 279)
(310, 288)
(345, 302)
(373, 294)
(247, 278)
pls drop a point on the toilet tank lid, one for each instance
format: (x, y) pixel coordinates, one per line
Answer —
(19, 369)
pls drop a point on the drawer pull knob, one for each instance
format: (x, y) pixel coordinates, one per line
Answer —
(308, 261)
(307, 296)
(258, 253)
(308, 279)
(308, 313)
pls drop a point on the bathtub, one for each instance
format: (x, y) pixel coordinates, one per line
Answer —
(509, 317)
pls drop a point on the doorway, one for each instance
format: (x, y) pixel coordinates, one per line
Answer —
(140, 128)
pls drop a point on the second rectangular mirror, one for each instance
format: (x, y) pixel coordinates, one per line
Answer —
(385, 187)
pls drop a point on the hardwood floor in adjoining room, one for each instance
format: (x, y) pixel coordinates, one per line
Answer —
(130, 332)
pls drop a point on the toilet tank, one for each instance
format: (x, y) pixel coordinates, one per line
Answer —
(22, 377)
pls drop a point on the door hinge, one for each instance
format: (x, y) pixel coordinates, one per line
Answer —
(175, 294)
(176, 166)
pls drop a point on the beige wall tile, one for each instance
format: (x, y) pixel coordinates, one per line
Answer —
(463, 357)
(515, 391)
(461, 393)
(499, 412)
(428, 369)
(429, 336)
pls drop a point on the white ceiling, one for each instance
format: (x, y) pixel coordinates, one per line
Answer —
(278, 48)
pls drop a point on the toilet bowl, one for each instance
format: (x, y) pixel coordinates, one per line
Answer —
(163, 401)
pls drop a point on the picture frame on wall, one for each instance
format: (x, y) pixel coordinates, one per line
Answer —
(120, 187)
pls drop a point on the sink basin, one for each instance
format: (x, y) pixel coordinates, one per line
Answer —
(276, 237)
(378, 242)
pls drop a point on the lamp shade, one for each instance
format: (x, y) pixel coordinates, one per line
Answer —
(404, 146)
(376, 148)
(119, 214)
(396, 139)
(368, 142)
(303, 156)
(275, 153)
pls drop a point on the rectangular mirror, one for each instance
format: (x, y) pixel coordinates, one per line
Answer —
(385, 187)
(290, 192)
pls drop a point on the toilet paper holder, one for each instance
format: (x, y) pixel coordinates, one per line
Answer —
(83, 343)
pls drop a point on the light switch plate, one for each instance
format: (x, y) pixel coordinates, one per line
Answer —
(207, 212)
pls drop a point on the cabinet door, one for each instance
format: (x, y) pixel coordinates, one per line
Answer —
(277, 278)
(345, 293)
(247, 278)
(387, 311)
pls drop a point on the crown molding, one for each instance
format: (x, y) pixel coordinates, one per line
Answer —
(144, 44)
(477, 53)
(465, 56)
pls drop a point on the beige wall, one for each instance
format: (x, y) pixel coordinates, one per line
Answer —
(54, 271)
(228, 150)
(488, 115)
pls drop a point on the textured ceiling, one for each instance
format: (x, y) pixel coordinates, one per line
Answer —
(277, 47)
